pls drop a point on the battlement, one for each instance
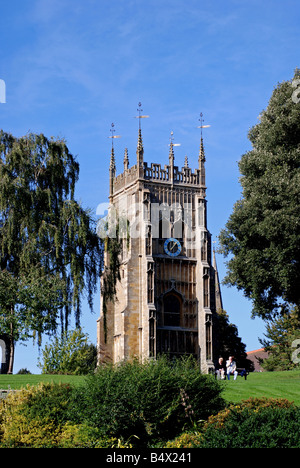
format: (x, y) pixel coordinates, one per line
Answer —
(156, 173)
(125, 178)
(183, 176)
(169, 174)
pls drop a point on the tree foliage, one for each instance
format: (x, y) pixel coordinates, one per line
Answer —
(280, 335)
(50, 253)
(228, 341)
(110, 276)
(262, 234)
(70, 353)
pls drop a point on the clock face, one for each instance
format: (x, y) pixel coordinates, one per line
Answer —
(172, 247)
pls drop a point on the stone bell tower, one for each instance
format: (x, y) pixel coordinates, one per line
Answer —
(165, 296)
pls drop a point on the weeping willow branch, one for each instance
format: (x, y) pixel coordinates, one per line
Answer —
(111, 274)
(50, 254)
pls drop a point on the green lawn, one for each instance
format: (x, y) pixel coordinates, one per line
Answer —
(18, 381)
(258, 384)
(264, 384)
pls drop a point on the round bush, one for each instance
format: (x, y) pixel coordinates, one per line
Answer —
(154, 400)
(32, 417)
(261, 427)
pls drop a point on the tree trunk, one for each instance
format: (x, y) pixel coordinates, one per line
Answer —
(11, 347)
(11, 356)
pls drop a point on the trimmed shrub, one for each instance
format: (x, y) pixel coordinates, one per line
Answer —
(33, 417)
(265, 427)
(253, 423)
(255, 404)
(154, 400)
(84, 436)
(185, 440)
(121, 406)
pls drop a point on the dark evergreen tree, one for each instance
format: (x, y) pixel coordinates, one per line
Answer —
(228, 342)
(263, 232)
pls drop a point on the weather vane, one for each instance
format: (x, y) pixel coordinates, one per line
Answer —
(201, 120)
(172, 139)
(140, 116)
(112, 130)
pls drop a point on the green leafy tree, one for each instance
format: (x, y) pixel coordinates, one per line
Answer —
(262, 234)
(50, 254)
(70, 353)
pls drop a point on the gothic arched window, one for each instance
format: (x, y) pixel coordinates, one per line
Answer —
(206, 290)
(172, 311)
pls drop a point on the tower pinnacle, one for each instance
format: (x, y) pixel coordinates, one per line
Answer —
(140, 149)
(126, 160)
(171, 152)
(201, 150)
(112, 165)
(201, 153)
(201, 159)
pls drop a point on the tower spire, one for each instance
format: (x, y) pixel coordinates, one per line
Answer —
(172, 157)
(201, 159)
(171, 151)
(201, 153)
(112, 170)
(140, 148)
(201, 150)
(112, 165)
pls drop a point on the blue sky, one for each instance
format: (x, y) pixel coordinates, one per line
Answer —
(71, 68)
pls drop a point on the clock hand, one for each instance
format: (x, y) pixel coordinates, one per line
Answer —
(174, 243)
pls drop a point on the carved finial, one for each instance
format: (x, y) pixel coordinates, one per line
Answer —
(201, 151)
(140, 142)
(140, 149)
(186, 162)
(112, 166)
(171, 152)
(126, 160)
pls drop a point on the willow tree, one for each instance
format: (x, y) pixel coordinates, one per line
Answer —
(50, 254)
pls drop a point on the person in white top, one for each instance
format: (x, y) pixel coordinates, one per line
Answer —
(231, 368)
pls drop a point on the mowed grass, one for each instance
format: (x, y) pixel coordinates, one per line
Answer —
(284, 384)
(18, 381)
